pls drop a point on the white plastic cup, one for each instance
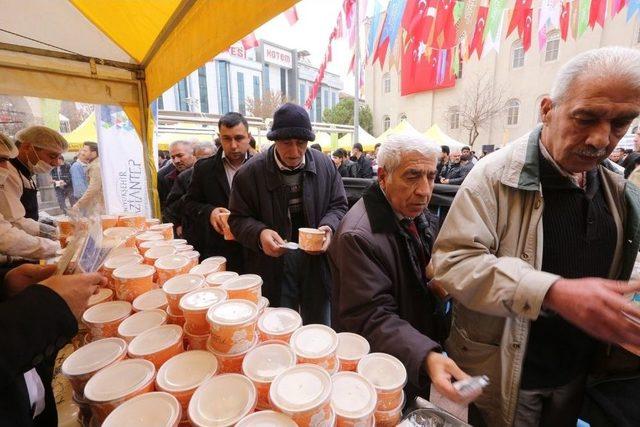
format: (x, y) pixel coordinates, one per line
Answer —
(183, 374)
(266, 419)
(388, 375)
(316, 344)
(218, 279)
(178, 286)
(158, 344)
(233, 326)
(278, 324)
(151, 300)
(351, 348)
(115, 384)
(353, 399)
(171, 266)
(139, 322)
(217, 259)
(222, 401)
(205, 269)
(303, 393)
(83, 363)
(155, 409)
(246, 286)
(263, 364)
(133, 280)
(195, 305)
(103, 319)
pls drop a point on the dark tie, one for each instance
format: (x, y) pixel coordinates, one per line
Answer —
(410, 227)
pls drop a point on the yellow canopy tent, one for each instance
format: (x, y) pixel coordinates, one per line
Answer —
(402, 127)
(118, 52)
(85, 132)
(324, 139)
(435, 134)
(367, 140)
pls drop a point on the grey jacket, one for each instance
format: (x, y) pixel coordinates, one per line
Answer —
(259, 201)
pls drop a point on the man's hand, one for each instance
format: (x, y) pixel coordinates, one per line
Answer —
(17, 279)
(442, 371)
(75, 289)
(216, 219)
(271, 243)
(444, 181)
(598, 306)
(328, 233)
(179, 231)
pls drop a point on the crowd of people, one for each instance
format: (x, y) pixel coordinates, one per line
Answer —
(537, 255)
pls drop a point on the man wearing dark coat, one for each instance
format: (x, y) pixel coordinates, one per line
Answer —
(280, 190)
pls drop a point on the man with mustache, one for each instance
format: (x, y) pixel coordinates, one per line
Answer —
(539, 246)
(384, 295)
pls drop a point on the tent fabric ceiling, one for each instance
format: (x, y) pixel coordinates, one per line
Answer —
(57, 23)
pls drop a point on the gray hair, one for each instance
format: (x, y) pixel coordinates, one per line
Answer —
(396, 145)
(200, 146)
(614, 61)
(187, 144)
(43, 137)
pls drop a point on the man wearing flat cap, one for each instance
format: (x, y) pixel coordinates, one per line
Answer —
(280, 190)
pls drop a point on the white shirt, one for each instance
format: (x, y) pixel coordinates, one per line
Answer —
(36, 391)
(284, 167)
(230, 169)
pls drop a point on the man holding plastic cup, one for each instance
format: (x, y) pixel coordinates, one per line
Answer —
(278, 192)
(537, 251)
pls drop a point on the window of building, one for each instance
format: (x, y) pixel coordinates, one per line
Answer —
(302, 95)
(517, 55)
(513, 112)
(183, 94)
(318, 109)
(553, 47)
(454, 118)
(334, 99)
(283, 81)
(403, 116)
(160, 103)
(386, 123)
(325, 99)
(204, 94)
(241, 107)
(265, 77)
(223, 85)
(386, 82)
(638, 35)
(256, 87)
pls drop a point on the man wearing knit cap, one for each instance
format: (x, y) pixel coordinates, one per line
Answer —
(38, 151)
(282, 189)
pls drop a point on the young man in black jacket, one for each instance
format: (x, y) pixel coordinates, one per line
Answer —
(364, 169)
(207, 199)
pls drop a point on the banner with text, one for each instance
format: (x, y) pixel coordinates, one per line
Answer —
(124, 182)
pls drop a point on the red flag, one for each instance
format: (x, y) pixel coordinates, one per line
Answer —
(352, 65)
(526, 32)
(565, 16)
(597, 13)
(519, 16)
(445, 24)
(250, 41)
(291, 15)
(617, 6)
(478, 36)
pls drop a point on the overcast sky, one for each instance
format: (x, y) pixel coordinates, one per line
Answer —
(316, 19)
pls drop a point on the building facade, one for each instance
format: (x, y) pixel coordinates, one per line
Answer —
(226, 83)
(520, 81)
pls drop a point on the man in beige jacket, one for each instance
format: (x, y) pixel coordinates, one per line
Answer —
(92, 201)
(539, 246)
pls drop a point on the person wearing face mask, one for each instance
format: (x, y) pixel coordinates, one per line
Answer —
(38, 150)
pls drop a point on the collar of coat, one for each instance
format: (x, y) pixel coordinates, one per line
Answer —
(274, 178)
(522, 170)
(381, 215)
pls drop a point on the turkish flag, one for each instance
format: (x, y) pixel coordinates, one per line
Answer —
(519, 16)
(565, 16)
(597, 13)
(250, 41)
(478, 36)
(444, 24)
(526, 33)
(291, 15)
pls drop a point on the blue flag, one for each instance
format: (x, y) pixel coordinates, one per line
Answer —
(632, 8)
(373, 29)
(390, 29)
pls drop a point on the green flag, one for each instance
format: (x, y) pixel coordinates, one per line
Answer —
(456, 61)
(51, 113)
(493, 20)
(458, 10)
(583, 16)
